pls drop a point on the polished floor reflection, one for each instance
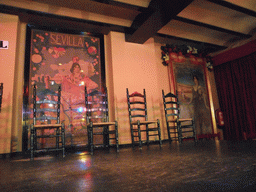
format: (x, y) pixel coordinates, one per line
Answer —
(207, 166)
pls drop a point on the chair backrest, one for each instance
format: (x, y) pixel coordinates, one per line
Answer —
(46, 106)
(171, 105)
(96, 103)
(1, 95)
(137, 106)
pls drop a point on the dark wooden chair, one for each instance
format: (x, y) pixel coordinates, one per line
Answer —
(1, 94)
(46, 128)
(139, 123)
(177, 128)
(98, 123)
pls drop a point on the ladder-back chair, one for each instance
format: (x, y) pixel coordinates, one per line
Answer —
(46, 123)
(97, 115)
(138, 118)
(177, 128)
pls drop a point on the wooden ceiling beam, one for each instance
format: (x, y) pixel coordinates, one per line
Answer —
(185, 20)
(98, 7)
(234, 7)
(122, 5)
(59, 22)
(207, 47)
(148, 23)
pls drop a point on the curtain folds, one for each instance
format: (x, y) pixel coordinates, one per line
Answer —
(236, 85)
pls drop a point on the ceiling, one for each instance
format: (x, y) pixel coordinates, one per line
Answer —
(212, 24)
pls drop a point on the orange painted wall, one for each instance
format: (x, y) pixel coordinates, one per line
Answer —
(136, 67)
(8, 32)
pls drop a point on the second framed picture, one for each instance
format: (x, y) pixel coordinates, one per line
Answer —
(190, 83)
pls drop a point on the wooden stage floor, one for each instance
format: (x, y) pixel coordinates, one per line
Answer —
(208, 166)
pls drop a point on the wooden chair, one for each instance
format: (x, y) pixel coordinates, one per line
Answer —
(1, 95)
(98, 123)
(139, 123)
(46, 118)
(177, 128)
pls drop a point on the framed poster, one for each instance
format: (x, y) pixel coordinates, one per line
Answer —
(72, 60)
(190, 83)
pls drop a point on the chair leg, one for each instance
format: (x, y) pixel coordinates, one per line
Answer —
(194, 130)
(116, 132)
(91, 146)
(139, 134)
(147, 135)
(106, 137)
(32, 142)
(169, 134)
(179, 132)
(63, 139)
(132, 135)
(159, 132)
(57, 138)
(89, 138)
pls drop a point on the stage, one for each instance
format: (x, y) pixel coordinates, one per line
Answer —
(207, 166)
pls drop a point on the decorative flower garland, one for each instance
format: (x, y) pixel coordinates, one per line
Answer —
(179, 53)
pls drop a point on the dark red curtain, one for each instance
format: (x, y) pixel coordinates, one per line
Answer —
(236, 86)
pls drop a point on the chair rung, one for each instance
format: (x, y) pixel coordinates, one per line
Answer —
(47, 149)
(189, 127)
(111, 132)
(153, 135)
(47, 126)
(101, 124)
(183, 120)
(172, 121)
(98, 133)
(185, 126)
(144, 122)
(143, 130)
(187, 130)
(188, 137)
(172, 127)
(99, 145)
(48, 136)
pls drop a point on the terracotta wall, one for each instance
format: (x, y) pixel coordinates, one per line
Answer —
(136, 67)
(12, 75)
(8, 32)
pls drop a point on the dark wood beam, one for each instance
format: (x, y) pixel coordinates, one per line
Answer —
(159, 13)
(122, 5)
(60, 22)
(185, 20)
(102, 8)
(206, 47)
(234, 7)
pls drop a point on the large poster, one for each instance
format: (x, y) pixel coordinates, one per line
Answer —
(72, 61)
(192, 90)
